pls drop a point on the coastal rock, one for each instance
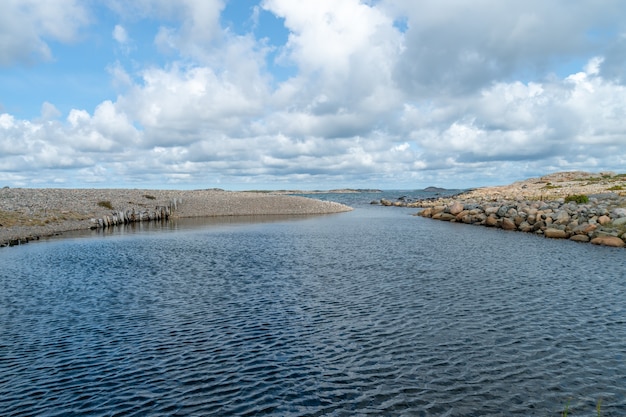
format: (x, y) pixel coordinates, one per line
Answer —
(619, 221)
(612, 241)
(584, 229)
(491, 210)
(427, 212)
(604, 220)
(444, 216)
(619, 212)
(491, 221)
(580, 238)
(555, 233)
(562, 217)
(508, 224)
(456, 208)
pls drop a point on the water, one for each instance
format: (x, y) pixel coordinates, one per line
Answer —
(372, 312)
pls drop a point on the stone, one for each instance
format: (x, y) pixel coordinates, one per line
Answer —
(491, 210)
(585, 229)
(580, 238)
(386, 203)
(444, 216)
(502, 211)
(491, 221)
(555, 233)
(620, 221)
(619, 212)
(455, 208)
(562, 217)
(604, 219)
(508, 224)
(427, 212)
(525, 227)
(612, 241)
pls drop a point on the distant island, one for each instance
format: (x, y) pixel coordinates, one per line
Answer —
(335, 191)
(432, 189)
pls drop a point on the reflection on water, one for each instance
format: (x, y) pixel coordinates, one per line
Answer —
(368, 312)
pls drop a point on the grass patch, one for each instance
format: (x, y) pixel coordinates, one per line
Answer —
(577, 198)
(550, 186)
(41, 218)
(616, 188)
(105, 204)
(566, 410)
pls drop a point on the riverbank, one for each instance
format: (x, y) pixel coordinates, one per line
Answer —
(580, 206)
(29, 214)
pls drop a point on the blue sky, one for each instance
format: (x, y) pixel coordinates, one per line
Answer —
(282, 94)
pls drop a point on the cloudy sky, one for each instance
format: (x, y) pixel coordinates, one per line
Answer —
(275, 94)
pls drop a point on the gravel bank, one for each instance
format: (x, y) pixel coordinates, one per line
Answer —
(28, 213)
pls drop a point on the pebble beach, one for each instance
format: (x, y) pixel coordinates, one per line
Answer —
(28, 214)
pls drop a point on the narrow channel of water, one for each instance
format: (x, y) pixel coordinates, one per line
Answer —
(372, 312)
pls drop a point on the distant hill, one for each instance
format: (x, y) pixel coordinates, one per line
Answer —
(434, 189)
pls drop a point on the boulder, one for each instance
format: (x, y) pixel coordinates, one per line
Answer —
(619, 212)
(491, 221)
(444, 216)
(502, 211)
(613, 241)
(508, 224)
(620, 221)
(562, 217)
(580, 238)
(603, 220)
(584, 229)
(491, 210)
(555, 233)
(427, 212)
(455, 208)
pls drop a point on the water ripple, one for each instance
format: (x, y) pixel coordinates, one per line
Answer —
(368, 313)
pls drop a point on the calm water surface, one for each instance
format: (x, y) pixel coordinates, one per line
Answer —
(372, 312)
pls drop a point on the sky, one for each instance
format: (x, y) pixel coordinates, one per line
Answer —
(297, 94)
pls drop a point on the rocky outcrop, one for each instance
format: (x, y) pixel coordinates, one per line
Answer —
(601, 221)
(134, 216)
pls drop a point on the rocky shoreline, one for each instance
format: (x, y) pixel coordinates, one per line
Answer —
(578, 206)
(28, 214)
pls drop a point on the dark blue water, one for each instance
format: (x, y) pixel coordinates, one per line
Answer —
(372, 312)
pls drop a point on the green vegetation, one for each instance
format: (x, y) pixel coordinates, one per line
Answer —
(149, 197)
(565, 412)
(39, 218)
(549, 186)
(616, 188)
(106, 204)
(577, 198)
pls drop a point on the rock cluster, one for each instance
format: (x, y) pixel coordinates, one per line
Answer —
(600, 221)
(133, 215)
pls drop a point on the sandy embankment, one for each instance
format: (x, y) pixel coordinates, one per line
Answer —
(27, 214)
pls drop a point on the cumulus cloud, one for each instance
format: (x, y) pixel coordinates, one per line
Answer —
(27, 27)
(456, 47)
(394, 93)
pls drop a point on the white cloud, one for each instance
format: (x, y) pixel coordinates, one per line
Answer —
(465, 94)
(456, 47)
(27, 26)
(120, 34)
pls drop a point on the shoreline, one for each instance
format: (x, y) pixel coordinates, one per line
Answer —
(577, 206)
(28, 214)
